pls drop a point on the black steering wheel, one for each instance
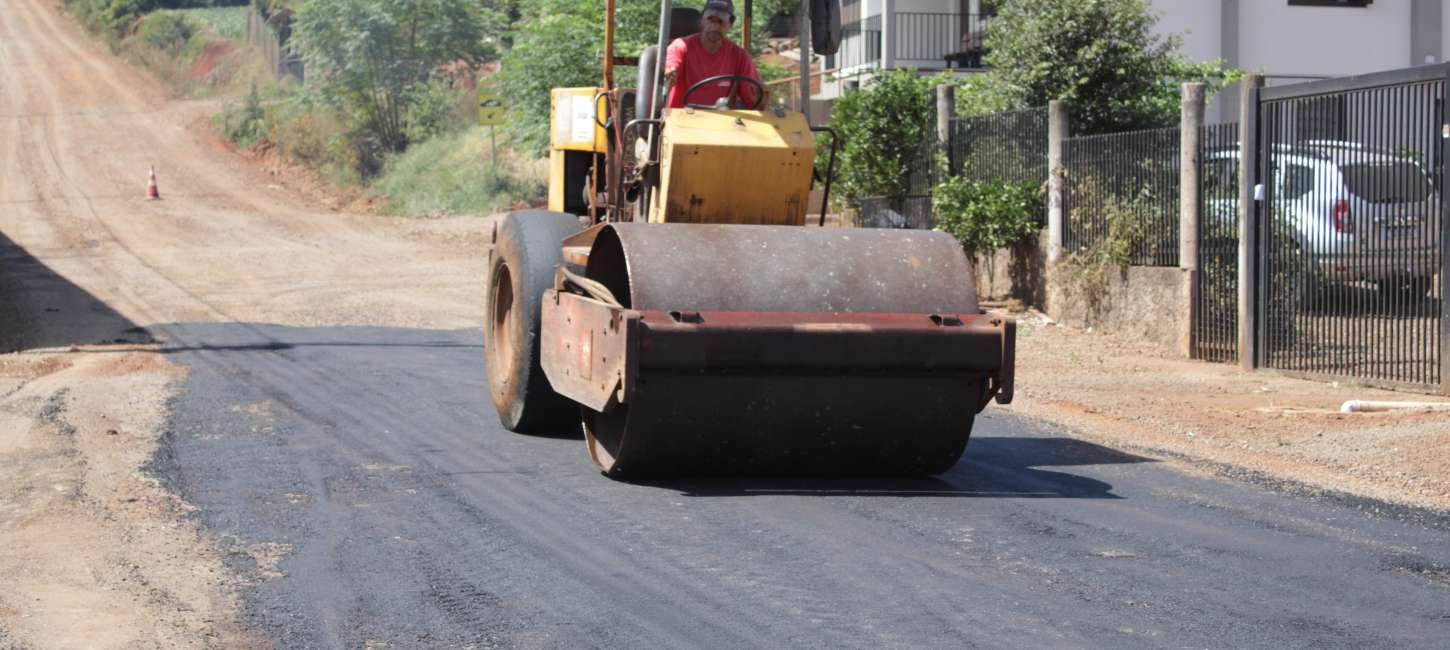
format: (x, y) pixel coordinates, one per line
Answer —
(734, 96)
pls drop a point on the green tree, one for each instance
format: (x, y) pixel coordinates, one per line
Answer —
(882, 126)
(374, 57)
(1101, 55)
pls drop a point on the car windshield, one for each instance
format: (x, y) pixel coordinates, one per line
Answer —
(1387, 182)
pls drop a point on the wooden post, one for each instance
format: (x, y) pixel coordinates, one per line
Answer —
(1248, 221)
(1057, 134)
(1189, 204)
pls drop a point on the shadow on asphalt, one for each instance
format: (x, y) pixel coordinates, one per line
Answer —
(40, 308)
(993, 467)
(275, 346)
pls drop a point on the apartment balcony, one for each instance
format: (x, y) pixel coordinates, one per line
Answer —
(922, 40)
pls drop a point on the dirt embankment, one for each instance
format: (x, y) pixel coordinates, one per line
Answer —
(96, 553)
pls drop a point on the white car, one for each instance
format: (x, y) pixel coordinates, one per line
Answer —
(1358, 214)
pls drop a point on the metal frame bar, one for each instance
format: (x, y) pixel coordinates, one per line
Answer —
(1444, 235)
(1357, 82)
(1260, 229)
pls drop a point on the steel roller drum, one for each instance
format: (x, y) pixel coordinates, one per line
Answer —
(792, 351)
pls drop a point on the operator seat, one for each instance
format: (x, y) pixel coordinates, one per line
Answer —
(684, 21)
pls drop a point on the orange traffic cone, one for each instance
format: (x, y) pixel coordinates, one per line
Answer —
(151, 192)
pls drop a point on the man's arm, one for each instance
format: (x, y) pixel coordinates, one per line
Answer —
(747, 69)
(674, 80)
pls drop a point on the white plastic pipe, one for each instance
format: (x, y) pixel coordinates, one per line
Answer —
(1362, 406)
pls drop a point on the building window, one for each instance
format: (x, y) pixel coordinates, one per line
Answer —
(1331, 3)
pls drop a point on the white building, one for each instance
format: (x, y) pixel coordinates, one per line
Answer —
(1287, 40)
(1290, 41)
(929, 35)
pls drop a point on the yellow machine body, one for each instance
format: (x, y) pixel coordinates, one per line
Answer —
(573, 120)
(574, 131)
(734, 167)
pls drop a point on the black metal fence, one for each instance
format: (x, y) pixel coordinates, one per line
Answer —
(1351, 228)
(860, 45)
(1009, 146)
(1000, 147)
(951, 38)
(1216, 312)
(1122, 193)
(913, 211)
(921, 39)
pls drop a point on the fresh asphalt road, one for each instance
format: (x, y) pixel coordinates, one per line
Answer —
(371, 462)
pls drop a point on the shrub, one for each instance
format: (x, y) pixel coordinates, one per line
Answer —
(452, 173)
(882, 127)
(431, 109)
(165, 30)
(985, 216)
(247, 124)
(228, 22)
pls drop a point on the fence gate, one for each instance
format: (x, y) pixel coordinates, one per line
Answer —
(1350, 229)
(1217, 313)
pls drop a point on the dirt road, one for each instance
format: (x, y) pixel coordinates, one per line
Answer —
(239, 419)
(96, 553)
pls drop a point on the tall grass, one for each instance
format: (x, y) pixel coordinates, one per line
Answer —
(453, 173)
(229, 22)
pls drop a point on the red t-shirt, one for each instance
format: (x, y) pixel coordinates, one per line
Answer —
(692, 63)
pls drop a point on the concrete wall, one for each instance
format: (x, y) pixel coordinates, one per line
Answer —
(1291, 44)
(1327, 41)
(1300, 41)
(1017, 272)
(1139, 301)
(1444, 34)
(1197, 22)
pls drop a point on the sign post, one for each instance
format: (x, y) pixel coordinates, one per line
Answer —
(490, 114)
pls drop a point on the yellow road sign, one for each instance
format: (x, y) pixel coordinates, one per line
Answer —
(490, 108)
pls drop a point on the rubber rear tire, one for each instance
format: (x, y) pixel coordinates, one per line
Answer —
(521, 267)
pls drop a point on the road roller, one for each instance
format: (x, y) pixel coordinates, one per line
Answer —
(674, 305)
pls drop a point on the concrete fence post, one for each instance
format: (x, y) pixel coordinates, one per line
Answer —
(1057, 134)
(1248, 222)
(1190, 203)
(946, 110)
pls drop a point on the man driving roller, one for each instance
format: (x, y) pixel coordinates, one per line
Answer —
(710, 53)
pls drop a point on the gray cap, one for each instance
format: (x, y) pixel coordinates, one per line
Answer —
(723, 6)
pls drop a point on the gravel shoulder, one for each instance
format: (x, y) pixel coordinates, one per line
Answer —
(1109, 389)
